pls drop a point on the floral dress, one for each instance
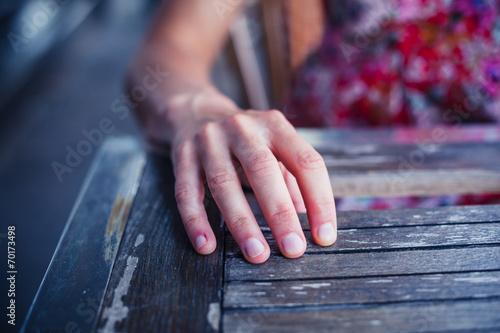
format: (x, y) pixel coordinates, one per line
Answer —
(402, 63)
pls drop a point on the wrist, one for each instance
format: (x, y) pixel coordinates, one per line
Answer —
(174, 115)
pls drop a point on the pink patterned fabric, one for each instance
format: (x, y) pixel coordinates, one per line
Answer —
(402, 63)
(406, 62)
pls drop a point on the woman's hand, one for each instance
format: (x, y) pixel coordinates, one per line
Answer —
(221, 145)
(214, 142)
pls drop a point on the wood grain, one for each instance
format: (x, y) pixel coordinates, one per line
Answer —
(412, 169)
(366, 264)
(159, 282)
(429, 287)
(387, 238)
(404, 217)
(463, 316)
(327, 138)
(414, 182)
(72, 289)
(403, 157)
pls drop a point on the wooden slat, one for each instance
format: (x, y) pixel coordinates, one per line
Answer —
(415, 182)
(394, 238)
(412, 169)
(378, 277)
(366, 264)
(82, 263)
(328, 138)
(159, 283)
(249, 67)
(405, 217)
(279, 69)
(463, 316)
(361, 290)
(350, 158)
(303, 42)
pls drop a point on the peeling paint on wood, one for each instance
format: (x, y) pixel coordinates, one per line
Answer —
(118, 311)
(139, 240)
(115, 226)
(172, 286)
(213, 315)
(85, 256)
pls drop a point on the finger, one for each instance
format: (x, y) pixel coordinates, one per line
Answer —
(189, 193)
(293, 189)
(266, 179)
(309, 169)
(226, 189)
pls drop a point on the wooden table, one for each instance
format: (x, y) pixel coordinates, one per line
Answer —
(124, 262)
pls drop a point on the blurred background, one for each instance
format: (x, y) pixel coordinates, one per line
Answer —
(62, 64)
(61, 67)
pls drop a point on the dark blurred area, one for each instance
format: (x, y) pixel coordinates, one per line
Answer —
(62, 64)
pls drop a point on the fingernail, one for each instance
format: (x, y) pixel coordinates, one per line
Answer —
(200, 241)
(293, 244)
(326, 234)
(254, 247)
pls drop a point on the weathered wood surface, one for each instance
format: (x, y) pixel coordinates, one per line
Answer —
(72, 289)
(400, 217)
(366, 264)
(386, 238)
(365, 290)
(400, 270)
(425, 270)
(159, 283)
(444, 316)
(372, 157)
(415, 182)
(327, 138)
(412, 169)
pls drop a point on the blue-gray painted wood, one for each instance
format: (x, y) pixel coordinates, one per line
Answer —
(72, 290)
(159, 282)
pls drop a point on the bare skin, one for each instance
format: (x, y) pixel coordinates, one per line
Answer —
(215, 142)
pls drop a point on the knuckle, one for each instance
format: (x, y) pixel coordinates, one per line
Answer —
(284, 214)
(192, 221)
(310, 160)
(182, 150)
(248, 146)
(184, 192)
(260, 161)
(276, 115)
(239, 223)
(220, 179)
(276, 118)
(323, 209)
(238, 121)
(206, 132)
(177, 102)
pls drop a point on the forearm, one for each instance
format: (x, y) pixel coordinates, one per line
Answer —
(177, 77)
(182, 46)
